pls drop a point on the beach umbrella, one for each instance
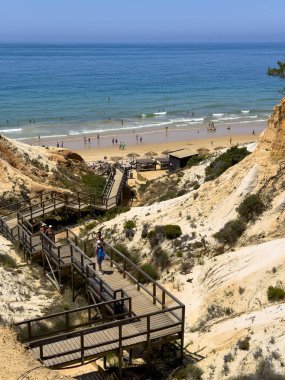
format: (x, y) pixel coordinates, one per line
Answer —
(116, 158)
(203, 150)
(133, 155)
(166, 152)
(150, 154)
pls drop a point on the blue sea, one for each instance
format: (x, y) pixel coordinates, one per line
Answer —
(67, 90)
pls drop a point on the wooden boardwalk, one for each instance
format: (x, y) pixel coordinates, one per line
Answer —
(127, 309)
(148, 314)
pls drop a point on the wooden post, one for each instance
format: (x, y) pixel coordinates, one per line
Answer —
(112, 258)
(120, 353)
(148, 346)
(130, 357)
(82, 348)
(154, 293)
(163, 299)
(125, 268)
(182, 334)
(105, 362)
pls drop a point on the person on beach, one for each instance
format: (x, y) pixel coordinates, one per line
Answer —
(137, 138)
(39, 137)
(98, 137)
(84, 137)
(122, 122)
(100, 255)
(166, 129)
(253, 132)
(231, 141)
(57, 144)
(140, 139)
(113, 141)
(228, 128)
(116, 141)
(89, 140)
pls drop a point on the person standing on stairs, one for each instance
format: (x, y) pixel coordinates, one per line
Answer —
(100, 255)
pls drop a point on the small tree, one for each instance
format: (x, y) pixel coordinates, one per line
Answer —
(251, 207)
(277, 71)
(231, 231)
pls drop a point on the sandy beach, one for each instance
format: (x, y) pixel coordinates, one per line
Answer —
(158, 140)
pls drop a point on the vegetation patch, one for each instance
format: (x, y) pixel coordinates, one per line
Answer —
(7, 261)
(150, 270)
(93, 183)
(129, 224)
(110, 214)
(190, 372)
(264, 372)
(275, 293)
(231, 231)
(251, 207)
(194, 161)
(243, 344)
(231, 157)
(161, 258)
(172, 231)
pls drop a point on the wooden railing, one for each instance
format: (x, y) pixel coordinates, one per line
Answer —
(153, 289)
(119, 336)
(67, 320)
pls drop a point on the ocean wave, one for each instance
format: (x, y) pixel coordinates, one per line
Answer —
(11, 130)
(192, 120)
(159, 113)
(52, 136)
(246, 111)
(217, 114)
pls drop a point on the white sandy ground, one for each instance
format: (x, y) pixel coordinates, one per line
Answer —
(21, 293)
(218, 282)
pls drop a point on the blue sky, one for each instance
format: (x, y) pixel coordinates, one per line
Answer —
(142, 20)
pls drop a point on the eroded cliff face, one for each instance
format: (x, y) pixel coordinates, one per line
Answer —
(273, 139)
(26, 170)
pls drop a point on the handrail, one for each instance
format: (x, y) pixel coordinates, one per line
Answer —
(144, 274)
(107, 325)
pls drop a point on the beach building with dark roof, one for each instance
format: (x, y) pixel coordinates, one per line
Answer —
(178, 159)
(163, 162)
(145, 164)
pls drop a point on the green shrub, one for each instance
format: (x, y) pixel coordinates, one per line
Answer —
(194, 161)
(190, 372)
(123, 249)
(155, 236)
(275, 293)
(150, 270)
(89, 226)
(144, 231)
(251, 207)
(244, 344)
(172, 231)
(110, 214)
(231, 157)
(264, 372)
(93, 183)
(161, 258)
(231, 231)
(129, 224)
(7, 261)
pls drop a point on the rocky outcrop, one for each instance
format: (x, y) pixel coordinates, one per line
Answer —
(273, 139)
